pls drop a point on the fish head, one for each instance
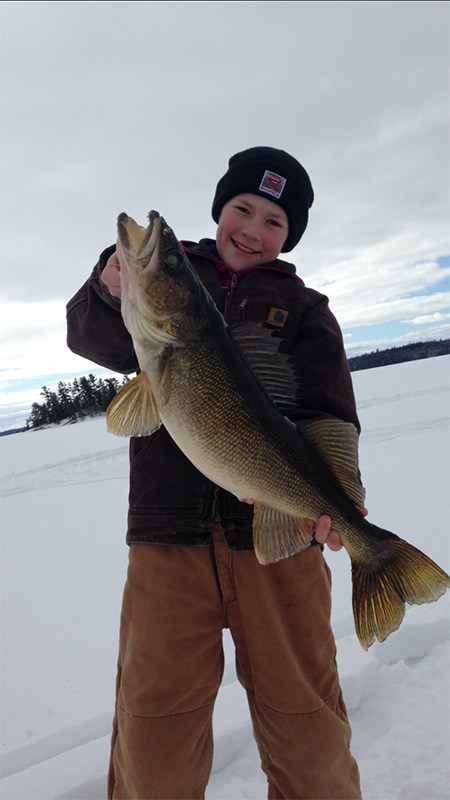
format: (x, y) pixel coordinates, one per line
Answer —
(162, 296)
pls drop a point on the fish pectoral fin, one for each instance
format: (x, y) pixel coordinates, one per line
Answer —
(380, 591)
(133, 412)
(337, 443)
(277, 535)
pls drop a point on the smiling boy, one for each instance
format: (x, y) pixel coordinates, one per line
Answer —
(251, 231)
(192, 570)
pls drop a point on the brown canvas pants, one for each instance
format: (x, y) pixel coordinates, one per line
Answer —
(176, 602)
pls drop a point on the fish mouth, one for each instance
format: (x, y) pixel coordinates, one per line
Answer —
(142, 247)
(130, 236)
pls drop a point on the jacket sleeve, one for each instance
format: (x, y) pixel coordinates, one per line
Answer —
(320, 361)
(95, 328)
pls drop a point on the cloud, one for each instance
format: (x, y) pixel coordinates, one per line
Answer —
(113, 106)
(426, 319)
(31, 315)
(381, 284)
(390, 310)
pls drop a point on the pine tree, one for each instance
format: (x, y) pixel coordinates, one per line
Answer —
(85, 396)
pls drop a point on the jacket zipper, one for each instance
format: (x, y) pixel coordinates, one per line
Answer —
(242, 305)
(229, 296)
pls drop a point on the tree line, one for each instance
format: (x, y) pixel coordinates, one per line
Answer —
(82, 397)
(396, 355)
(90, 396)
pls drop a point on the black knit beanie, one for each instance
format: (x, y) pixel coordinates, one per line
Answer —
(275, 175)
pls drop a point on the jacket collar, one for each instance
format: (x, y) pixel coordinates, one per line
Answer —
(206, 248)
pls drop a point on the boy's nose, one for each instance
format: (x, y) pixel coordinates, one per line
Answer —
(251, 230)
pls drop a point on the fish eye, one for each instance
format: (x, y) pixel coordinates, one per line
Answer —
(174, 259)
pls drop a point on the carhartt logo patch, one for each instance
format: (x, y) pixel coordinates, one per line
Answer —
(272, 183)
(277, 317)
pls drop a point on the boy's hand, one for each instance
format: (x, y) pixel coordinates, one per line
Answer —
(111, 276)
(322, 529)
(325, 535)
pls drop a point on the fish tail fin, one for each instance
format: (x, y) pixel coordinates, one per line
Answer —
(379, 594)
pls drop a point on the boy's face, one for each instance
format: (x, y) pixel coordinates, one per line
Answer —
(251, 231)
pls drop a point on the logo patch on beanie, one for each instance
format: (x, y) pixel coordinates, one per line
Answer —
(272, 183)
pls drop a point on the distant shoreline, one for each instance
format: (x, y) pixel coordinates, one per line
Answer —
(377, 358)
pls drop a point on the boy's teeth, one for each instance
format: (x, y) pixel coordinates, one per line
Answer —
(245, 249)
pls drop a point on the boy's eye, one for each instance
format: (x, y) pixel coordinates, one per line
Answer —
(242, 208)
(274, 223)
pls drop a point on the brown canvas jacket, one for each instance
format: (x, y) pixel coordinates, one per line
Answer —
(171, 502)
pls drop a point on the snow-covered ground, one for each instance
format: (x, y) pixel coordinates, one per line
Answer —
(63, 567)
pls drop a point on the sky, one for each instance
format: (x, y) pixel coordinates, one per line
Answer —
(128, 106)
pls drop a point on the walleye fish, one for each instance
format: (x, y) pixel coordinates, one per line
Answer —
(216, 391)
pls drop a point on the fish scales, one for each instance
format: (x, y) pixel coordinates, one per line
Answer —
(195, 381)
(236, 441)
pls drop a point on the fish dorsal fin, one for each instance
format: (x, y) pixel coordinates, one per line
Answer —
(337, 443)
(277, 536)
(133, 412)
(259, 349)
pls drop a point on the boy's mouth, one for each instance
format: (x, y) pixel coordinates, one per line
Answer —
(244, 249)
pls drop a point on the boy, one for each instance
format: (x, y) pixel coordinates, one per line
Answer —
(192, 569)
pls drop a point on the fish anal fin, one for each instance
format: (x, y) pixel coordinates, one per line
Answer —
(277, 536)
(133, 412)
(379, 595)
(337, 443)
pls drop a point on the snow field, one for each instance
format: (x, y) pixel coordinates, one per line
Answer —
(63, 518)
